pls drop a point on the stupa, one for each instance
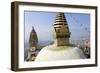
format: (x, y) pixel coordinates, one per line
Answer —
(61, 49)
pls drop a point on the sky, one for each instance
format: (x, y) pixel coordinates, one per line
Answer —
(79, 25)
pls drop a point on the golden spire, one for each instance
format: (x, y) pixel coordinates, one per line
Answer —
(60, 19)
(62, 32)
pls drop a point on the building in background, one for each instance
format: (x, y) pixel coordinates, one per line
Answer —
(86, 49)
(33, 44)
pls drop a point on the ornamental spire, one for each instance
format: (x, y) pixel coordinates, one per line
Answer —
(62, 33)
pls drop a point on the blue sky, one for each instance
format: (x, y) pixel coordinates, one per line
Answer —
(79, 25)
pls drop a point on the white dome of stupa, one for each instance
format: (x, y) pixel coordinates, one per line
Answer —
(59, 50)
(53, 52)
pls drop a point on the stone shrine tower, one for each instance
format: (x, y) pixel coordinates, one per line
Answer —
(33, 39)
(61, 30)
(33, 42)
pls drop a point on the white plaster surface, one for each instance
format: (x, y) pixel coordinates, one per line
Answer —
(52, 53)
